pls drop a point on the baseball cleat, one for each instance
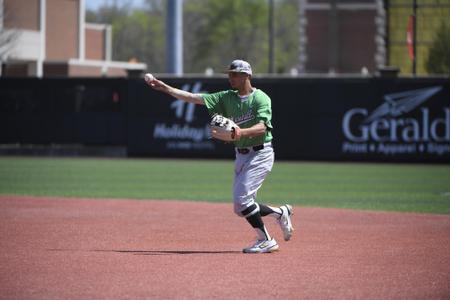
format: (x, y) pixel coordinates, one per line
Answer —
(262, 246)
(285, 221)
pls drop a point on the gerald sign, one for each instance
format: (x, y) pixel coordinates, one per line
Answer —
(403, 124)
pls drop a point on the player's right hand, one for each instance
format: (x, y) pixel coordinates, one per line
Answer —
(158, 85)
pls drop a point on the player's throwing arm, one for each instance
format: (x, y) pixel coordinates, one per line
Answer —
(174, 92)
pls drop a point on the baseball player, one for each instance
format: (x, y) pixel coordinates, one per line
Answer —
(250, 109)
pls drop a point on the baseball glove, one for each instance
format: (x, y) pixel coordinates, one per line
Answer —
(224, 129)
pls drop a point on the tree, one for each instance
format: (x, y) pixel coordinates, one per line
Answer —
(438, 61)
(286, 35)
(218, 31)
(215, 32)
(138, 34)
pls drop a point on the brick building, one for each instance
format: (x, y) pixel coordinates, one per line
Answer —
(51, 38)
(342, 36)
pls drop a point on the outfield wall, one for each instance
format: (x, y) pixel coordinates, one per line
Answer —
(352, 119)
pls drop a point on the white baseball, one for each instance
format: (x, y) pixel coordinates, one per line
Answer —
(149, 77)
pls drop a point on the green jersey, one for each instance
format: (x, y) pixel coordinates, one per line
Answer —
(244, 111)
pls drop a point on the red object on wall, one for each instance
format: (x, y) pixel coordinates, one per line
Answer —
(410, 37)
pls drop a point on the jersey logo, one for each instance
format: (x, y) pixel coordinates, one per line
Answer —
(248, 116)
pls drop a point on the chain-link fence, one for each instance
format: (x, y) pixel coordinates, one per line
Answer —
(429, 16)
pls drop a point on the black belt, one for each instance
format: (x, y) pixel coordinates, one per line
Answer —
(247, 150)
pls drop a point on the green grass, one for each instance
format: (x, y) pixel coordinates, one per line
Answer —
(389, 187)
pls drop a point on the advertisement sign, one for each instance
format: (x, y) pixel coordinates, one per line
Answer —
(165, 126)
(322, 119)
(341, 119)
(404, 124)
(181, 132)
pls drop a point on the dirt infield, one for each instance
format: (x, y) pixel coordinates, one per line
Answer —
(127, 249)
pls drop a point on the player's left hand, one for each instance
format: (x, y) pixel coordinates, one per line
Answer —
(224, 129)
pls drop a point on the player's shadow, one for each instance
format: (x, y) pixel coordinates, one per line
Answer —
(157, 252)
(169, 252)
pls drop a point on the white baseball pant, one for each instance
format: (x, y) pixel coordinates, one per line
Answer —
(250, 170)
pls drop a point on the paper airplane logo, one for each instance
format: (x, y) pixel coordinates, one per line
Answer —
(400, 103)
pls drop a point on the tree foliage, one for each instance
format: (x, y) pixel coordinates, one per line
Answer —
(438, 61)
(138, 34)
(225, 30)
(219, 31)
(215, 32)
(286, 36)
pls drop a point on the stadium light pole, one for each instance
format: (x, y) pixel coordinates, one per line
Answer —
(174, 37)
